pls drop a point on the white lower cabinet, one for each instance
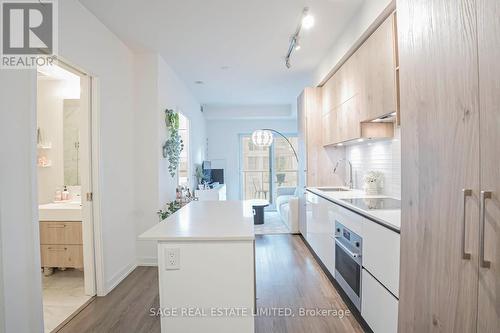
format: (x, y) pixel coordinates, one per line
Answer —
(379, 308)
(324, 247)
(320, 230)
(381, 254)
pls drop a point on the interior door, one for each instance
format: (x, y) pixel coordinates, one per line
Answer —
(86, 183)
(489, 87)
(440, 158)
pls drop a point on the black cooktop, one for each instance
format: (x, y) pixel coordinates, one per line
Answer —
(374, 203)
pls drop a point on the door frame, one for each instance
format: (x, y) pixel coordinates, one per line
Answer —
(90, 182)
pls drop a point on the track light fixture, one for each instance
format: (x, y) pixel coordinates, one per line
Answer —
(306, 22)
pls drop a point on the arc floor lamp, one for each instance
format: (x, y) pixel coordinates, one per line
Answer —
(264, 138)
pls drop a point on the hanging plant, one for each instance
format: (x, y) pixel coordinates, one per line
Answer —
(173, 146)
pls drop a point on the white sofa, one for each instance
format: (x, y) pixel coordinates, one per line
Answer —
(287, 205)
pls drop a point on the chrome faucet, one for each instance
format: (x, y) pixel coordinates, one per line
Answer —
(350, 183)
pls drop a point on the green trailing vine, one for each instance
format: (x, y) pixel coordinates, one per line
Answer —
(170, 208)
(173, 146)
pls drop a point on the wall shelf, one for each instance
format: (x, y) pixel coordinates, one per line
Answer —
(44, 146)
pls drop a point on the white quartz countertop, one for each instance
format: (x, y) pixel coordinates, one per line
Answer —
(60, 211)
(389, 217)
(205, 220)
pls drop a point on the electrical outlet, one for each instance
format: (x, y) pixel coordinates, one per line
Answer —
(172, 259)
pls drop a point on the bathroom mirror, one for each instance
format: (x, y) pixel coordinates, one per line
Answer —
(71, 141)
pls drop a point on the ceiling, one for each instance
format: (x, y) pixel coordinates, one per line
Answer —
(235, 47)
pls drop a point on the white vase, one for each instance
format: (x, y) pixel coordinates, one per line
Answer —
(371, 188)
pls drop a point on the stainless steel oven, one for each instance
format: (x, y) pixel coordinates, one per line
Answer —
(348, 265)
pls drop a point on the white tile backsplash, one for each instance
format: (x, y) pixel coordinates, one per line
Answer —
(383, 156)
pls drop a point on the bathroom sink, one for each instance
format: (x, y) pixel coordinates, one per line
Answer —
(60, 211)
(333, 189)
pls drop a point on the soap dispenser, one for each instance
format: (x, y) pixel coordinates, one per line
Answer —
(65, 193)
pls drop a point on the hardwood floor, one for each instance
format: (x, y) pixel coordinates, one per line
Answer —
(125, 309)
(287, 277)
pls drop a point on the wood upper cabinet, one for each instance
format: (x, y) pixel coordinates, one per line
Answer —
(376, 67)
(310, 114)
(450, 126)
(362, 89)
(489, 87)
(315, 161)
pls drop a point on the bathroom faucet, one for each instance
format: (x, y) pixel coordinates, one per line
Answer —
(350, 183)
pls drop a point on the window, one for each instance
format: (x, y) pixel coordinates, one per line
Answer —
(264, 170)
(184, 170)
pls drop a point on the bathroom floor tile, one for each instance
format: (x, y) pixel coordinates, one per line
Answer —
(63, 294)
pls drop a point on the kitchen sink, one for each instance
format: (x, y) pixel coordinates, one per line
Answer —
(333, 189)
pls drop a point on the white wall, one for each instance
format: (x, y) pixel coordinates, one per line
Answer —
(87, 43)
(383, 156)
(223, 145)
(146, 148)
(174, 94)
(50, 121)
(84, 41)
(2, 306)
(18, 202)
(159, 88)
(249, 111)
(363, 21)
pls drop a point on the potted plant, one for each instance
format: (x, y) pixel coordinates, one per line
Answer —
(173, 146)
(280, 178)
(170, 208)
(373, 181)
(198, 174)
(280, 175)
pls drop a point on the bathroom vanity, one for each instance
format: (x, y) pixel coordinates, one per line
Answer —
(206, 268)
(61, 241)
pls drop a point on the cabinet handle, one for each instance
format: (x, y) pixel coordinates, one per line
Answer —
(349, 252)
(466, 193)
(57, 249)
(484, 195)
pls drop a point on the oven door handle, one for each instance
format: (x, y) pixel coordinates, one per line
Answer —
(346, 249)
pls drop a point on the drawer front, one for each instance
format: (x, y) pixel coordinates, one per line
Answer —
(381, 254)
(349, 219)
(324, 247)
(59, 233)
(62, 256)
(378, 307)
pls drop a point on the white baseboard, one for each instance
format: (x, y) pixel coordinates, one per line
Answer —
(119, 277)
(147, 261)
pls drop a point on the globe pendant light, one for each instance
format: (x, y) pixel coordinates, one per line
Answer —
(262, 138)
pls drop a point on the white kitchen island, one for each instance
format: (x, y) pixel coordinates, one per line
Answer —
(206, 268)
